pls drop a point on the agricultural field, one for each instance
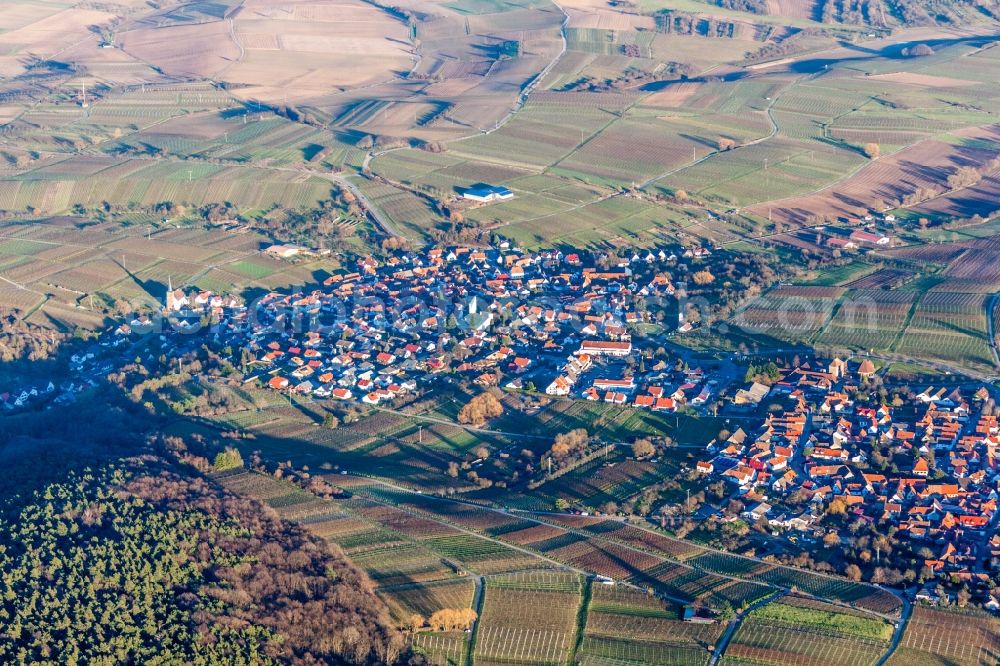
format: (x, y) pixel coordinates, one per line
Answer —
(638, 628)
(78, 276)
(891, 180)
(528, 619)
(790, 312)
(931, 304)
(426, 599)
(803, 631)
(443, 648)
(951, 327)
(948, 637)
(869, 319)
(759, 575)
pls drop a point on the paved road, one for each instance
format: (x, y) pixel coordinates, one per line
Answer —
(897, 635)
(387, 227)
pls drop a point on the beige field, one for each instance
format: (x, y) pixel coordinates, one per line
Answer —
(598, 14)
(673, 96)
(295, 51)
(925, 80)
(203, 50)
(26, 30)
(9, 111)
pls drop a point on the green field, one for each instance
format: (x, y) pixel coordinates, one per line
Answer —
(808, 632)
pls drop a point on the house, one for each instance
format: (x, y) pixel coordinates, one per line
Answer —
(561, 385)
(751, 395)
(605, 348)
(837, 368)
(758, 511)
(866, 370)
(920, 468)
(487, 193)
(627, 384)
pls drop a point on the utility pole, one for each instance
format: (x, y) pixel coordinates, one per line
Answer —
(420, 434)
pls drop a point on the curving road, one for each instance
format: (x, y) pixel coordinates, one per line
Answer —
(734, 624)
(897, 635)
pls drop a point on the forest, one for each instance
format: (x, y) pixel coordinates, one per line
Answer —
(117, 547)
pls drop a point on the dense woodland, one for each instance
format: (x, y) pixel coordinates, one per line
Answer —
(116, 549)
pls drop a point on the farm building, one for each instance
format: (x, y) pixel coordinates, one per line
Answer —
(867, 237)
(283, 251)
(486, 193)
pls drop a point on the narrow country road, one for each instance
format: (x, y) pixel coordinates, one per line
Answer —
(734, 624)
(991, 309)
(897, 635)
(477, 606)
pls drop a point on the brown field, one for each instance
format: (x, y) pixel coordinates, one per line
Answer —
(800, 9)
(889, 178)
(977, 269)
(948, 638)
(934, 254)
(597, 14)
(982, 199)
(886, 277)
(205, 49)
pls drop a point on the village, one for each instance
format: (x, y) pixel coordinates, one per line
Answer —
(498, 317)
(818, 439)
(922, 467)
